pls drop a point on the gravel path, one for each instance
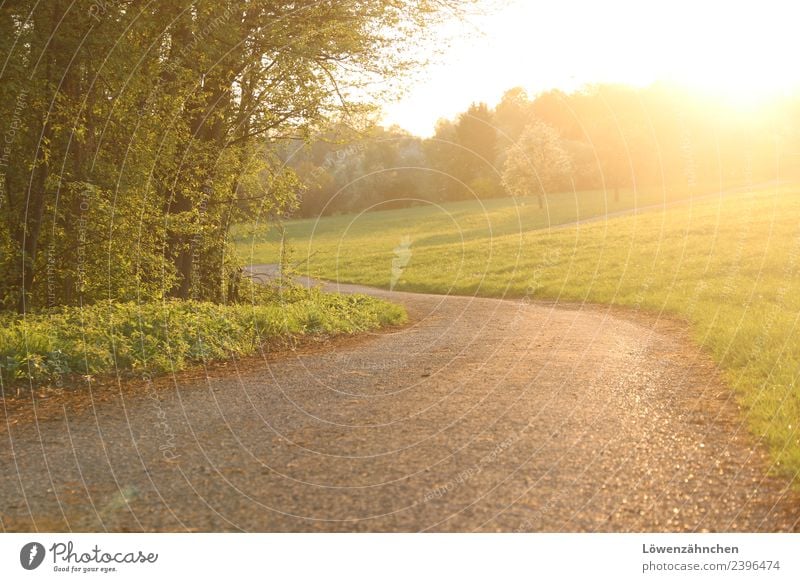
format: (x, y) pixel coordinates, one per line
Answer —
(480, 415)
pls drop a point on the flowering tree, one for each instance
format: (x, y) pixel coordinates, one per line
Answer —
(537, 163)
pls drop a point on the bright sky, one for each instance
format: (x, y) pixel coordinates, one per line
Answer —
(745, 50)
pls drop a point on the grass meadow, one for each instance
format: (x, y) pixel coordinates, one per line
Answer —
(728, 265)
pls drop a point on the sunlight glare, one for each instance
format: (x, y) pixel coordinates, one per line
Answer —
(734, 50)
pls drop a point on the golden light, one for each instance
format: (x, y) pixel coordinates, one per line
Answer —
(742, 52)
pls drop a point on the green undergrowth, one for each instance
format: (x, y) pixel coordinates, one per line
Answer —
(108, 337)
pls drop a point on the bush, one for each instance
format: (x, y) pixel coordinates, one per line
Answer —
(167, 336)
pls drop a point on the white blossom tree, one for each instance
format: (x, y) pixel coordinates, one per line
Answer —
(537, 163)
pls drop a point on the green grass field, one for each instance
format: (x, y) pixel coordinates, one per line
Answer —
(728, 265)
(349, 242)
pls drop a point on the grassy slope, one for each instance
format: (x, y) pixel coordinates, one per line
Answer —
(728, 266)
(373, 234)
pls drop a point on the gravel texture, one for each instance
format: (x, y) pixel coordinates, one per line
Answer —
(480, 414)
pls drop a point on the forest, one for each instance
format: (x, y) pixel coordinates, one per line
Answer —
(602, 137)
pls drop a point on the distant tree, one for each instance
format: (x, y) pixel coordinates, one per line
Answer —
(584, 170)
(557, 109)
(463, 156)
(345, 171)
(511, 115)
(443, 158)
(614, 122)
(538, 163)
(612, 137)
(476, 135)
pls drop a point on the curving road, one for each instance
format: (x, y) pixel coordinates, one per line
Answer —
(481, 414)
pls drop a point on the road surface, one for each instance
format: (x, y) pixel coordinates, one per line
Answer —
(480, 415)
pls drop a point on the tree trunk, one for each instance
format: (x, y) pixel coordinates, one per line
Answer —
(29, 234)
(177, 201)
(34, 204)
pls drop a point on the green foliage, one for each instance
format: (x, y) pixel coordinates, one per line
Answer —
(463, 157)
(345, 170)
(135, 133)
(111, 337)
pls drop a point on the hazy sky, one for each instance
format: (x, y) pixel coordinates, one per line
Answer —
(744, 49)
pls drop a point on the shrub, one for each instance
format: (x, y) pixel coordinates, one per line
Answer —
(160, 337)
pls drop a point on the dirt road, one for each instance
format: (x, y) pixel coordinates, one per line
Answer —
(480, 415)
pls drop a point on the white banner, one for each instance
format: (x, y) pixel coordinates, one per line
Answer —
(379, 557)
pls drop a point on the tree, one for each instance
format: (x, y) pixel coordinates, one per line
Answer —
(538, 163)
(145, 129)
(614, 123)
(476, 138)
(556, 109)
(462, 156)
(512, 114)
(476, 135)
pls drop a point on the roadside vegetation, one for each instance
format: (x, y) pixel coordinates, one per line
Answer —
(135, 134)
(729, 266)
(52, 347)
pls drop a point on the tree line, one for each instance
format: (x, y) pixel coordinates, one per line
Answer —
(135, 133)
(604, 137)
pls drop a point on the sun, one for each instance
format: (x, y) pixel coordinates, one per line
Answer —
(741, 52)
